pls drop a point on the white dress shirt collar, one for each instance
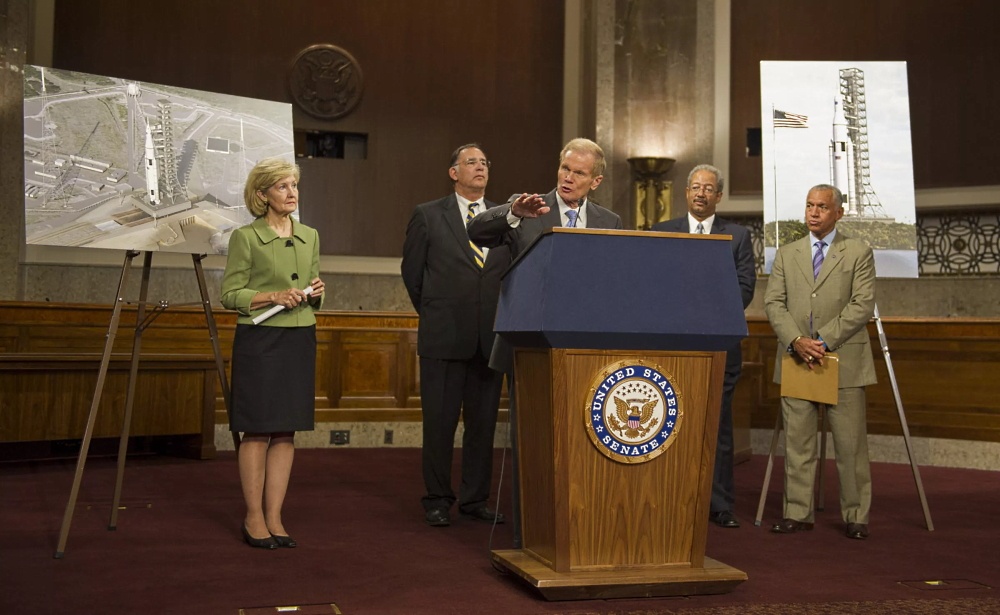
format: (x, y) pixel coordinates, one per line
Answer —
(581, 217)
(706, 223)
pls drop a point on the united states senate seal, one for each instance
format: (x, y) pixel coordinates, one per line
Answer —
(634, 412)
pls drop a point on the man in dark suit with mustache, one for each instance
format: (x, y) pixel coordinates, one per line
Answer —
(704, 191)
(453, 285)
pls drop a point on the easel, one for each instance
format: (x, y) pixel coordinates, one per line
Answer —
(142, 321)
(822, 449)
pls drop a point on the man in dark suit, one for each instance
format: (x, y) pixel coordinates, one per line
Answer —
(526, 216)
(453, 285)
(820, 297)
(704, 191)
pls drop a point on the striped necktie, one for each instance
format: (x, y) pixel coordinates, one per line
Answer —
(818, 258)
(700, 229)
(480, 258)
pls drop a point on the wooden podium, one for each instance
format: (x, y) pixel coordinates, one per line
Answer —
(598, 317)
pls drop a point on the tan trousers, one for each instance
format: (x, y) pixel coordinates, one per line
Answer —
(850, 439)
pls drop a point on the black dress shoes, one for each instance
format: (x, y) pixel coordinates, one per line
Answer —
(724, 518)
(437, 517)
(483, 514)
(857, 531)
(286, 542)
(258, 543)
(790, 526)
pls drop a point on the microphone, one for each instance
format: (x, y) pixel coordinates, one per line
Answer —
(295, 276)
(289, 243)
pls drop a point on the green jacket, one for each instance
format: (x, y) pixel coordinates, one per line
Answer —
(259, 262)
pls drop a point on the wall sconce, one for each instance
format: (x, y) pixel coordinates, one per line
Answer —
(651, 191)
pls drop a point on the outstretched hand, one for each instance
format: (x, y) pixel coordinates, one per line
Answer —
(529, 206)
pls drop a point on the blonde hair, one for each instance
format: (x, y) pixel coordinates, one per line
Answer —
(262, 176)
(586, 146)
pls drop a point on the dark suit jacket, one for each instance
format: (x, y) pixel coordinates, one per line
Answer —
(456, 300)
(490, 228)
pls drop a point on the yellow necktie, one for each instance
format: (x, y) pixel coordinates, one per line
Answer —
(480, 258)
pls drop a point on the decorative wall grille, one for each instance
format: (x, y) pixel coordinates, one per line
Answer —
(948, 244)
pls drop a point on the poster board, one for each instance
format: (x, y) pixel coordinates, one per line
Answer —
(846, 124)
(127, 165)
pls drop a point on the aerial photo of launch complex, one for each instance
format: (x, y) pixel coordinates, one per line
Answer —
(118, 164)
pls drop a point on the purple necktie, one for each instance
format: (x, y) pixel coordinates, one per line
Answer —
(818, 258)
(571, 214)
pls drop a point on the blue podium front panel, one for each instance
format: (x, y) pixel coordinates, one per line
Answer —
(627, 290)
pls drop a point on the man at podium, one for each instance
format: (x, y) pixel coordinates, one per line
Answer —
(524, 217)
(704, 191)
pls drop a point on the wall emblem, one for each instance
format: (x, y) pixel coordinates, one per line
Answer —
(326, 81)
(634, 412)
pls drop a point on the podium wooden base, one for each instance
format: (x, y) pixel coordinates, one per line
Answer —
(667, 580)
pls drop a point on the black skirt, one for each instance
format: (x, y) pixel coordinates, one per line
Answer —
(274, 379)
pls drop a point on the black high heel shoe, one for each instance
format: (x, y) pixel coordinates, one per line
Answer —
(284, 541)
(259, 543)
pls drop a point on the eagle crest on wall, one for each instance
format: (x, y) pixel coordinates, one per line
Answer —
(326, 81)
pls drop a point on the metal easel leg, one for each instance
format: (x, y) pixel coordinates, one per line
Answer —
(902, 421)
(823, 425)
(767, 472)
(220, 365)
(88, 432)
(133, 379)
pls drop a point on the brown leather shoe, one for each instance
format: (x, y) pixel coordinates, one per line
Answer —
(790, 526)
(857, 531)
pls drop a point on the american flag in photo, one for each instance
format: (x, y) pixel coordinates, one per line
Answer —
(783, 119)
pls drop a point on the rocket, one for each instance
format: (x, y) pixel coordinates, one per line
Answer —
(842, 158)
(152, 175)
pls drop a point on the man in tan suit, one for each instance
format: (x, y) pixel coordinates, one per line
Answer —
(819, 299)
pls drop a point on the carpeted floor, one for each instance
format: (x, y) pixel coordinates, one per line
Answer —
(365, 547)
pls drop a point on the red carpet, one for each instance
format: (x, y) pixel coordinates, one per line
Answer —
(364, 546)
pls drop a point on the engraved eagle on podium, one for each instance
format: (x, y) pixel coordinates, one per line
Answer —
(629, 419)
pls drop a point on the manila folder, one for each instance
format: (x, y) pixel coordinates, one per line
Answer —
(818, 384)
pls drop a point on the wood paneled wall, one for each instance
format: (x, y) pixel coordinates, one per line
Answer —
(367, 366)
(47, 397)
(952, 72)
(945, 370)
(437, 73)
(366, 363)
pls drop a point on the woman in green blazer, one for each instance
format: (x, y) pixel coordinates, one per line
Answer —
(273, 266)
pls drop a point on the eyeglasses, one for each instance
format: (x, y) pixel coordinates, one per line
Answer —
(471, 162)
(708, 188)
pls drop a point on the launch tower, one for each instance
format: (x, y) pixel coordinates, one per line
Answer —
(862, 200)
